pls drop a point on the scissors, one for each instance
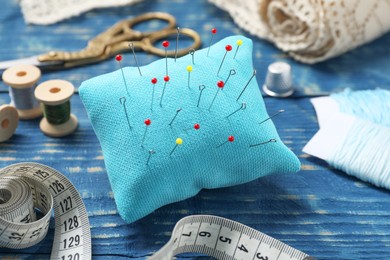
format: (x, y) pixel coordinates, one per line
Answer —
(115, 40)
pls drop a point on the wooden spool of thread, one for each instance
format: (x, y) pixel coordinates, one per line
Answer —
(9, 119)
(22, 80)
(55, 98)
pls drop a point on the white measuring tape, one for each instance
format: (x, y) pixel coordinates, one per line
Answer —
(224, 239)
(25, 187)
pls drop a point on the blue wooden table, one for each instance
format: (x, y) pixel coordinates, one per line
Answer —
(319, 210)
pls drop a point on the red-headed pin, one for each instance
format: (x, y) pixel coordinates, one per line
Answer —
(154, 82)
(227, 48)
(196, 127)
(147, 124)
(118, 58)
(220, 85)
(166, 79)
(229, 140)
(213, 31)
(165, 44)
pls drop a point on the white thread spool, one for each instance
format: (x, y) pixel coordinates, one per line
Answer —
(9, 119)
(22, 80)
(56, 93)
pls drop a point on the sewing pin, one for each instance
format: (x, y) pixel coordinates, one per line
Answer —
(147, 123)
(165, 44)
(173, 119)
(154, 81)
(242, 107)
(177, 41)
(151, 152)
(195, 126)
(122, 100)
(231, 73)
(201, 88)
(230, 139)
(118, 58)
(239, 43)
(220, 85)
(131, 45)
(277, 113)
(254, 73)
(192, 52)
(269, 141)
(213, 31)
(227, 48)
(166, 79)
(178, 142)
(189, 69)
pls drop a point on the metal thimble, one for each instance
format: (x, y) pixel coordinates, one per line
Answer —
(278, 82)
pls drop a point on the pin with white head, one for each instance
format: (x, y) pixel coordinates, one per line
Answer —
(277, 113)
(118, 58)
(147, 123)
(192, 53)
(230, 139)
(166, 79)
(189, 69)
(228, 48)
(177, 41)
(9, 119)
(213, 31)
(173, 119)
(201, 88)
(239, 43)
(242, 92)
(154, 82)
(165, 44)
(262, 143)
(178, 142)
(220, 85)
(122, 100)
(151, 152)
(131, 45)
(242, 107)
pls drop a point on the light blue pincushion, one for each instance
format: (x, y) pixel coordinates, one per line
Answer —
(140, 188)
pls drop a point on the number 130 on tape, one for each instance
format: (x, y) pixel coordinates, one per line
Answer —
(224, 239)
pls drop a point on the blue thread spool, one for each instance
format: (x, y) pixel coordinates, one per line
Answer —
(55, 96)
(22, 80)
(8, 122)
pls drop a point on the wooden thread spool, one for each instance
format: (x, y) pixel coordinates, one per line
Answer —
(9, 119)
(55, 96)
(22, 80)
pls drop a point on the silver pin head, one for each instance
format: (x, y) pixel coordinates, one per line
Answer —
(278, 82)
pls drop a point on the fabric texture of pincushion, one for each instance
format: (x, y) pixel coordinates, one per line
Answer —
(185, 145)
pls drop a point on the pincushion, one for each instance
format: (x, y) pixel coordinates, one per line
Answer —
(164, 160)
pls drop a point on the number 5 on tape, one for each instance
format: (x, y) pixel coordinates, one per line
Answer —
(27, 186)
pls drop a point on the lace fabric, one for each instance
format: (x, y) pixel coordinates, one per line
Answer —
(46, 12)
(311, 30)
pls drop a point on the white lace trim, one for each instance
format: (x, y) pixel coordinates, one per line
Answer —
(51, 11)
(311, 30)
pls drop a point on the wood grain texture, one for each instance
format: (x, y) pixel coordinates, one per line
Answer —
(319, 210)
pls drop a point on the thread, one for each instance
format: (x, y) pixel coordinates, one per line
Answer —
(365, 153)
(23, 99)
(58, 114)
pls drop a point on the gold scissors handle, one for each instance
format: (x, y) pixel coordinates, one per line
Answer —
(117, 38)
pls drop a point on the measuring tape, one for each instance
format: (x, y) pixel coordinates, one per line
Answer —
(224, 239)
(25, 187)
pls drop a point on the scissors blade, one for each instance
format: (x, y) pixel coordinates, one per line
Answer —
(33, 60)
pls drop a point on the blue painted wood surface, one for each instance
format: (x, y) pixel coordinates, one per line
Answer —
(319, 210)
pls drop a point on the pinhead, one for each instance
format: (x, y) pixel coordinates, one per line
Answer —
(228, 47)
(118, 57)
(220, 84)
(231, 138)
(278, 82)
(147, 122)
(165, 44)
(214, 31)
(179, 141)
(154, 80)
(166, 78)
(196, 126)
(239, 42)
(189, 68)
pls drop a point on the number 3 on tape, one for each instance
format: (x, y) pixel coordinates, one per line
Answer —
(25, 187)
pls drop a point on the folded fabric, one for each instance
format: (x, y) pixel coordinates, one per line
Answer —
(354, 134)
(46, 12)
(198, 135)
(311, 31)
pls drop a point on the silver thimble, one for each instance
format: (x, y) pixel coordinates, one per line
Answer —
(278, 82)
